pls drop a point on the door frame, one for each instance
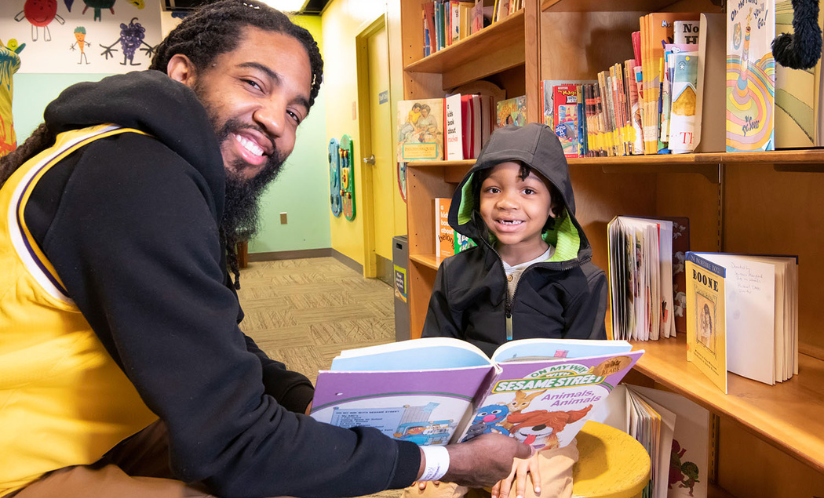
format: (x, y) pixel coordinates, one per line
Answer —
(364, 146)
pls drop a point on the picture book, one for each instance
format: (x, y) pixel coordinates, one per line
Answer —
(454, 128)
(547, 94)
(441, 390)
(420, 130)
(685, 32)
(797, 94)
(640, 276)
(751, 77)
(658, 30)
(681, 137)
(634, 108)
(565, 101)
(445, 235)
(742, 316)
(673, 430)
(512, 111)
(462, 242)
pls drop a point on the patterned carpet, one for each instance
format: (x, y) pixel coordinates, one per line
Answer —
(303, 312)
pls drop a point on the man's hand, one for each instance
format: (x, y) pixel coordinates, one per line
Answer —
(520, 469)
(484, 460)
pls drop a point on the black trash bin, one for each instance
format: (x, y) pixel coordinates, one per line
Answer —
(400, 261)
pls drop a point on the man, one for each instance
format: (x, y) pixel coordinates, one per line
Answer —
(117, 316)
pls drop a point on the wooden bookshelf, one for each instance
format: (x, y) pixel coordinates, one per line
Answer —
(769, 439)
(770, 412)
(494, 49)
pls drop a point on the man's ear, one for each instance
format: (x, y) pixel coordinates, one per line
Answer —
(181, 68)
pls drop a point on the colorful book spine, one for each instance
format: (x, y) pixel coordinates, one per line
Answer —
(566, 118)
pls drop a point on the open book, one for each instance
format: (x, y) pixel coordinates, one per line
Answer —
(742, 316)
(442, 390)
(673, 430)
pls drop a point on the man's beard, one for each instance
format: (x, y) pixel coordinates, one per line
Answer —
(241, 206)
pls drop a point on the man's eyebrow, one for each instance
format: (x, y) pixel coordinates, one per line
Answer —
(275, 77)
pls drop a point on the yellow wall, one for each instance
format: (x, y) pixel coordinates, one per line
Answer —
(342, 21)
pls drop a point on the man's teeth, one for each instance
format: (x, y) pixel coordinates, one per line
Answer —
(510, 222)
(249, 145)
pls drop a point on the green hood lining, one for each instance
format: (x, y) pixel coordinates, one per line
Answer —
(563, 236)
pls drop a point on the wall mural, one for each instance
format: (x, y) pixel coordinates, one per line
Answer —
(83, 36)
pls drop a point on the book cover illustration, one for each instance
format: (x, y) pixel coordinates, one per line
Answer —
(462, 243)
(512, 111)
(684, 90)
(706, 334)
(797, 94)
(565, 101)
(751, 78)
(420, 130)
(444, 236)
(546, 405)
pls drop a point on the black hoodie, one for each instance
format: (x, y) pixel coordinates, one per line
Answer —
(130, 223)
(563, 297)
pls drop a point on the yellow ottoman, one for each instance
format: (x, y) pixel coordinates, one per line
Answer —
(611, 464)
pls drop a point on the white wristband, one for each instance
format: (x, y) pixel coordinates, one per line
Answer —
(437, 462)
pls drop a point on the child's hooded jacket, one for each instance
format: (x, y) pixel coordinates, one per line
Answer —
(563, 297)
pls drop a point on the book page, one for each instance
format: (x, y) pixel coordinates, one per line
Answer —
(689, 457)
(424, 407)
(557, 348)
(662, 445)
(750, 316)
(419, 354)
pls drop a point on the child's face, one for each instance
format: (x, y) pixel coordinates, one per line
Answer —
(515, 210)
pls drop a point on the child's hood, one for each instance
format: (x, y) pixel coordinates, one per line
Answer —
(536, 146)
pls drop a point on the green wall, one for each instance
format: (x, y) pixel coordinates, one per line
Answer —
(301, 190)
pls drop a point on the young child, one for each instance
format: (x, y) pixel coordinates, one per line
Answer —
(529, 276)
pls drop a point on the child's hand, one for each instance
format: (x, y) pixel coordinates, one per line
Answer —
(520, 469)
(421, 485)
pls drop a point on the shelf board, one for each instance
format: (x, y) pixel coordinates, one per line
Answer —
(605, 5)
(786, 415)
(433, 164)
(788, 157)
(427, 260)
(493, 49)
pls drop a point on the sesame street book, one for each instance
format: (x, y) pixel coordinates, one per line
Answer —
(437, 391)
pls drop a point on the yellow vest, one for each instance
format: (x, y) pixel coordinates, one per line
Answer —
(63, 399)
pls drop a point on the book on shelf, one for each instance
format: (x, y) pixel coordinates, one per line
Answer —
(454, 129)
(742, 316)
(565, 102)
(640, 263)
(657, 29)
(444, 234)
(685, 32)
(462, 242)
(512, 111)
(441, 390)
(798, 95)
(420, 130)
(751, 78)
(680, 136)
(468, 124)
(673, 430)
